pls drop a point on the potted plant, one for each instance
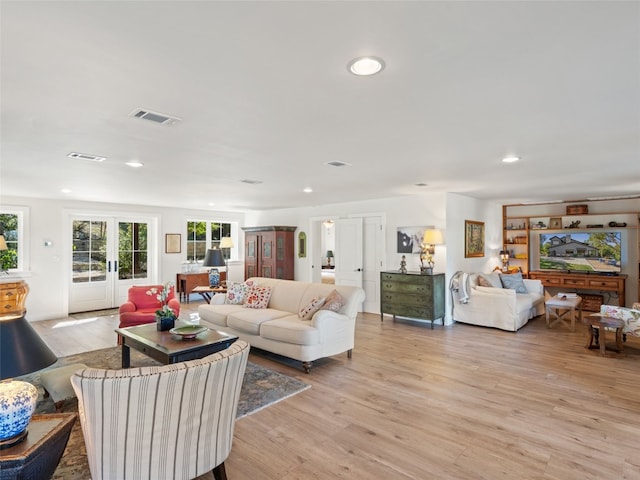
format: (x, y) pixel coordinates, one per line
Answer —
(165, 317)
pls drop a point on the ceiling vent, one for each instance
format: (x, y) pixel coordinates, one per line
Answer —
(86, 156)
(155, 117)
(251, 182)
(339, 164)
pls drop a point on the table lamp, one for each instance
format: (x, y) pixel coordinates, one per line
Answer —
(329, 257)
(214, 258)
(3, 248)
(226, 244)
(504, 258)
(22, 351)
(430, 239)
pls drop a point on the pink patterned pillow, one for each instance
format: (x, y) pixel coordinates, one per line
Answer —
(306, 312)
(334, 302)
(258, 297)
(237, 292)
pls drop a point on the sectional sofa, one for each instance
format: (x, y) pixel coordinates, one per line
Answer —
(279, 328)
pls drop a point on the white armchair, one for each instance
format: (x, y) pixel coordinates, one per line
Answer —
(170, 422)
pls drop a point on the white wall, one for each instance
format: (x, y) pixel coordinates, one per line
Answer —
(48, 274)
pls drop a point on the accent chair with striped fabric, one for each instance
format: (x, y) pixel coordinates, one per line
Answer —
(167, 422)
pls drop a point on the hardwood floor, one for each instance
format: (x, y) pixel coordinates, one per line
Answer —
(456, 402)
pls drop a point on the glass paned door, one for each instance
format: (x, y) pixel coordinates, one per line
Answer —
(132, 250)
(89, 251)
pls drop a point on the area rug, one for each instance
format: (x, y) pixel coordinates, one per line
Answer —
(261, 387)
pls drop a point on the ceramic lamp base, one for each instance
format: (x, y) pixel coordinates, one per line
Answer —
(17, 404)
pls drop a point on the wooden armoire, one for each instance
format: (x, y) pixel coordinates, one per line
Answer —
(269, 252)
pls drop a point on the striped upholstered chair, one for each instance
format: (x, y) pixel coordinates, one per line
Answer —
(168, 422)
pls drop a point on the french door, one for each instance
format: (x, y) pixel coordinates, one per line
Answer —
(108, 255)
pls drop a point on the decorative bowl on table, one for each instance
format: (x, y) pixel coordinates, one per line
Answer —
(188, 331)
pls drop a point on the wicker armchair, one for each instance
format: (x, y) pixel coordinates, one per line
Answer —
(169, 422)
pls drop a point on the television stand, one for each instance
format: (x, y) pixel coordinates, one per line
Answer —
(583, 281)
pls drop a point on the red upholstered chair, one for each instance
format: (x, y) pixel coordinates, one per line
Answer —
(140, 308)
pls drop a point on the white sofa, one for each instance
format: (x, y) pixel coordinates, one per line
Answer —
(495, 306)
(280, 330)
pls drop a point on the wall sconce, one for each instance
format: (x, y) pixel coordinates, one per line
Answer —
(504, 258)
(430, 239)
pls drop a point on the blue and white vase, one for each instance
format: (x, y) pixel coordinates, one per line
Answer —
(17, 404)
(214, 277)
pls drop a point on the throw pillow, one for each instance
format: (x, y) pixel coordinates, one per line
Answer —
(483, 282)
(237, 292)
(493, 280)
(306, 312)
(514, 282)
(334, 302)
(258, 297)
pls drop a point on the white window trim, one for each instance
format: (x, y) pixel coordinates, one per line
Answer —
(24, 246)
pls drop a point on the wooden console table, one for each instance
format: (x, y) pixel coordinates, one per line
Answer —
(583, 281)
(186, 282)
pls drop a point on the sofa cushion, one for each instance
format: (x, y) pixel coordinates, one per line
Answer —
(306, 312)
(513, 282)
(249, 319)
(218, 314)
(237, 292)
(290, 330)
(334, 302)
(258, 297)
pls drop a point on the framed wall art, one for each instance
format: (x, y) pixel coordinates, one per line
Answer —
(473, 239)
(409, 239)
(555, 222)
(172, 243)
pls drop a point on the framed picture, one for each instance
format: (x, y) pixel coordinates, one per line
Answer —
(172, 243)
(555, 222)
(409, 239)
(473, 239)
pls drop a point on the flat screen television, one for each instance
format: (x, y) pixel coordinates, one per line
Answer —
(598, 252)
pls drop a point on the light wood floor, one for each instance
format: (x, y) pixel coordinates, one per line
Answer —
(456, 402)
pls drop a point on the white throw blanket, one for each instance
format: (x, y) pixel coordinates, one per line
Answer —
(460, 287)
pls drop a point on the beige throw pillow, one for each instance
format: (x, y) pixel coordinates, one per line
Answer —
(306, 312)
(334, 302)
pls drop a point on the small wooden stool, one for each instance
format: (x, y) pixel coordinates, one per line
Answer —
(597, 337)
(57, 383)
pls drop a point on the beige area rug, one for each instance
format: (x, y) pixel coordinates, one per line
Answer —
(262, 387)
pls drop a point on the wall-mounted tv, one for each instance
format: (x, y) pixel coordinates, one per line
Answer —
(581, 251)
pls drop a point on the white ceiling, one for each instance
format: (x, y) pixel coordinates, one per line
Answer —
(264, 94)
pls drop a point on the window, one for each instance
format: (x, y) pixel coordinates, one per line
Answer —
(12, 226)
(202, 235)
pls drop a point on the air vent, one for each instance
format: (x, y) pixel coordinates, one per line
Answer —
(339, 164)
(86, 156)
(252, 182)
(155, 117)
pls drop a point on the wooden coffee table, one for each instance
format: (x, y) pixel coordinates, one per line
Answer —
(598, 326)
(554, 305)
(168, 348)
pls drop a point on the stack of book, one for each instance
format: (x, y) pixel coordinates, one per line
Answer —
(567, 295)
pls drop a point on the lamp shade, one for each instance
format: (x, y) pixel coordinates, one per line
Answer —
(329, 254)
(22, 350)
(432, 236)
(3, 243)
(226, 242)
(213, 258)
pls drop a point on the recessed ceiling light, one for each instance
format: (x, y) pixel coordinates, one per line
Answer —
(510, 159)
(135, 164)
(211, 204)
(364, 66)
(308, 190)
(65, 190)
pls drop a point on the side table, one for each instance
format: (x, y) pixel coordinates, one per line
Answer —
(569, 304)
(37, 457)
(207, 292)
(597, 332)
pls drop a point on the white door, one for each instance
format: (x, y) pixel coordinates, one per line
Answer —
(108, 255)
(373, 257)
(348, 252)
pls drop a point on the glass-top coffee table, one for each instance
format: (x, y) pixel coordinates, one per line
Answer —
(166, 347)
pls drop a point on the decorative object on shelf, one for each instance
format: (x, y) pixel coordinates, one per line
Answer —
(430, 239)
(165, 318)
(329, 257)
(22, 351)
(504, 258)
(575, 224)
(555, 222)
(538, 226)
(214, 258)
(226, 244)
(577, 209)
(172, 243)
(409, 239)
(403, 265)
(611, 224)
(302, 245)
(473, 239)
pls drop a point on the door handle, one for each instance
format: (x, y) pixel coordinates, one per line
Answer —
(109, 266)
(358, 270)
(115, 265)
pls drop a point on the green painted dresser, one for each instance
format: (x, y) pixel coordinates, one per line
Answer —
(412, 295)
